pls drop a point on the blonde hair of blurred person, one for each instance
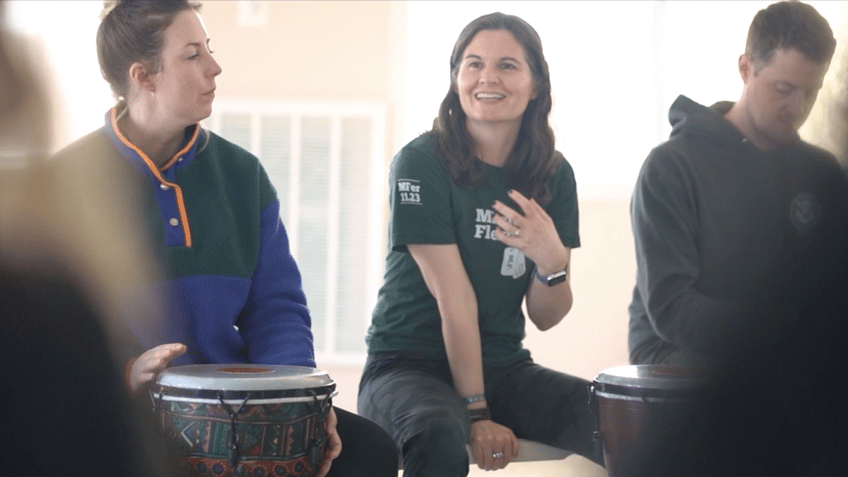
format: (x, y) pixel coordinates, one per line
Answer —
(71, 212)
(61, 258)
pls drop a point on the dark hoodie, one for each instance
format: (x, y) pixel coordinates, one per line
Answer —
(729, 239)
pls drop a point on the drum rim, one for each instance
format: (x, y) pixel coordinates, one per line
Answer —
(648, 381)
(212, 396)
(612, 391)
(278, 380)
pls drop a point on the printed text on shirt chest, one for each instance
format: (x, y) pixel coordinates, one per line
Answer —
(484, 227)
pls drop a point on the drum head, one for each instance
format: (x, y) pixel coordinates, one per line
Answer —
(649, 380)
(243, 377)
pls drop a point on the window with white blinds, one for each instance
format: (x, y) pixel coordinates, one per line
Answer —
(326, 160)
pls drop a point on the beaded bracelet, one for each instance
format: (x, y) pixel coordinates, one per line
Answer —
(482, 414)
(475, 398)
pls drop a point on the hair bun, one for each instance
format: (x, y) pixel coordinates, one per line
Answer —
(108, 6)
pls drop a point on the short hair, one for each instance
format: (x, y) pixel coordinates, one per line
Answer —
(532, 160)
(134, 31)
(789, 25)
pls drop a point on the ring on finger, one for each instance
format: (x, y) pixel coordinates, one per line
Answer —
(497, 455)
(517, 232)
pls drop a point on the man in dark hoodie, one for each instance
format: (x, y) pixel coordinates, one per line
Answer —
(741, 253)
(736, 220)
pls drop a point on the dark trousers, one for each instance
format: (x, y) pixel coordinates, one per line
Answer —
(414, 400)
(367, 451)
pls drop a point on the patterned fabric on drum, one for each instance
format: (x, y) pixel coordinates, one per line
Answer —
(275, 438)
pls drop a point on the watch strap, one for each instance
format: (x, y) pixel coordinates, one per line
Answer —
(552, 279)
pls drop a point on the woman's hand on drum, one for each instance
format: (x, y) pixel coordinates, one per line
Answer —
(146, 367)
(494, 446)
(334, 443)
(530, 230)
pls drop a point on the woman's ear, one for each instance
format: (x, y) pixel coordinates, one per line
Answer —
(140, 77)
(453, 78)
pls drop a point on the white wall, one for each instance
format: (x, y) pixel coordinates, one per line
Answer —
(63, 34)
(616, 67)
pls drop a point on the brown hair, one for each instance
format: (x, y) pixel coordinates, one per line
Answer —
(532, 161)
(788, 24)
(134, 31)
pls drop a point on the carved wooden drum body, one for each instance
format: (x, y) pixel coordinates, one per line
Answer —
(639, 406)
(245, 420)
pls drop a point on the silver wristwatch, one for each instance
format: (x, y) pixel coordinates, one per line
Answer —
(554, 278)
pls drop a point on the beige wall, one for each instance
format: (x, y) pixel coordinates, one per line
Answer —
(310, 50)
(314, 50)
(356, 51)
(593, 336)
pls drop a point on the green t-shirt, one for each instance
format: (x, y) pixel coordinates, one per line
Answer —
(427, 207)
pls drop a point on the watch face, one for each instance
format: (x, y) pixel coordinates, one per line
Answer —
(553, 278)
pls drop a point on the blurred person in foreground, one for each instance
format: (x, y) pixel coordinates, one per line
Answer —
(775, 407)
(231, 289)
(483, 220)
(61, 260)
(737, 221)
(741, 235)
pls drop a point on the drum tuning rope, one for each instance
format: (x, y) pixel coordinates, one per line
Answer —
(232, 437)
(157, 406)
(316, 443)
(597, 437)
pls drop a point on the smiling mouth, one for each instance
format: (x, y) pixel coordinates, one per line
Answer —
(489, 96)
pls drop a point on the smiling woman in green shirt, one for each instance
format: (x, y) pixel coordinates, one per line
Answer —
(483, 218)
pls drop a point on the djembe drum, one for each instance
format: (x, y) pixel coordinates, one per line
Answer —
(245, 420)
(640, 410)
